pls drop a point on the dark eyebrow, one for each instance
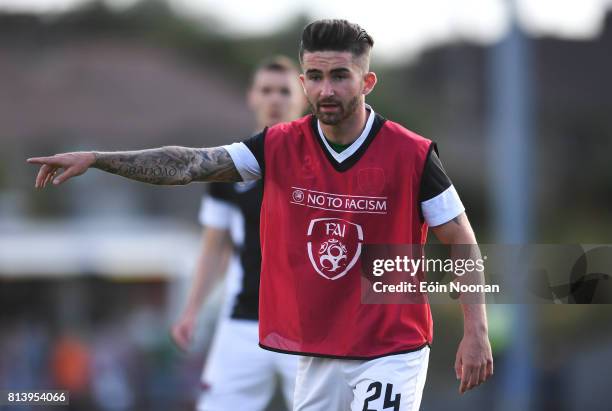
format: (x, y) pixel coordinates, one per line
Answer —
(340, 70)
(333, 71)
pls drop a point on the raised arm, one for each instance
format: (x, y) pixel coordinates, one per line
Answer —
(171, 165)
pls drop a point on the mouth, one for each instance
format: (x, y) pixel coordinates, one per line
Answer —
(329, 107)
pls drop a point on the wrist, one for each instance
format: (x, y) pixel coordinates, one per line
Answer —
(189, 315)
(476, 328)
(93, 158)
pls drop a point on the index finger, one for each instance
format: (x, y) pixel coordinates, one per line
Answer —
(41, 160)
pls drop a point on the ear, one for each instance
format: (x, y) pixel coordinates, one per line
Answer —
(369, 81)
(302, 78)
(300, 97)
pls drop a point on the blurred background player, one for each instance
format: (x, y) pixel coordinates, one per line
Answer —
(238, 372)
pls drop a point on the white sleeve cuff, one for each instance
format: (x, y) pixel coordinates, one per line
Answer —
(215, 213)
(244, 160)
(442, 208)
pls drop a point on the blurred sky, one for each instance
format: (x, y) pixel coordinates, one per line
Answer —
(400, 30)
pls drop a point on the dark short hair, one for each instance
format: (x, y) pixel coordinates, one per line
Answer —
(276, 63)
(335, 35)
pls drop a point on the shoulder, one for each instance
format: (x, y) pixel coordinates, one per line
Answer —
(407, 139)
(404, 134)
(288, 130)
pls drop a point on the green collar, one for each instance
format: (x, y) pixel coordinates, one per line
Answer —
(338, 148)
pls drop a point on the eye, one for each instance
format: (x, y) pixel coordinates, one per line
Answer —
(266, 90)
(285, 91)
(314, 77)
(338, 77)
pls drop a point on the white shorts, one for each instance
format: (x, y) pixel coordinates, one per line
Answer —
(393, 383)
(239, 375)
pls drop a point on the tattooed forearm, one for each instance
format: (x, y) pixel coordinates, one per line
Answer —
(214, 164)
(170, 165)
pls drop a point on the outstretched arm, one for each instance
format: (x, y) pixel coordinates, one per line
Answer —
(171, 165)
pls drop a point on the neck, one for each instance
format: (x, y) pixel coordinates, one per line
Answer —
(348, 129)
(262, 124)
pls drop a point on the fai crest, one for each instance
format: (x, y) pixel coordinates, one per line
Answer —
(334, 246)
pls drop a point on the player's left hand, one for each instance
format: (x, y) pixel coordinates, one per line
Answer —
(182, 331)
(474, 361)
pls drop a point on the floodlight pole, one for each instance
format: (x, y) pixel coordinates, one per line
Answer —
(510, 161)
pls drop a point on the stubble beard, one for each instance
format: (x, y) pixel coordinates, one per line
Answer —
(332, 119)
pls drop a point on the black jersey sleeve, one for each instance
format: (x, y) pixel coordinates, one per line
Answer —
(256, 145)
(434, 180)
(439, 201)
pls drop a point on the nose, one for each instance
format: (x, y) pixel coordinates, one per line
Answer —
(327, 90)
(276, 99)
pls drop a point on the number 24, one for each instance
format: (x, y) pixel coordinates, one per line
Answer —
(377, 387)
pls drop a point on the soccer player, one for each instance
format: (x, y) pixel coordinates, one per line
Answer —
(333, 180)
(239, 374)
